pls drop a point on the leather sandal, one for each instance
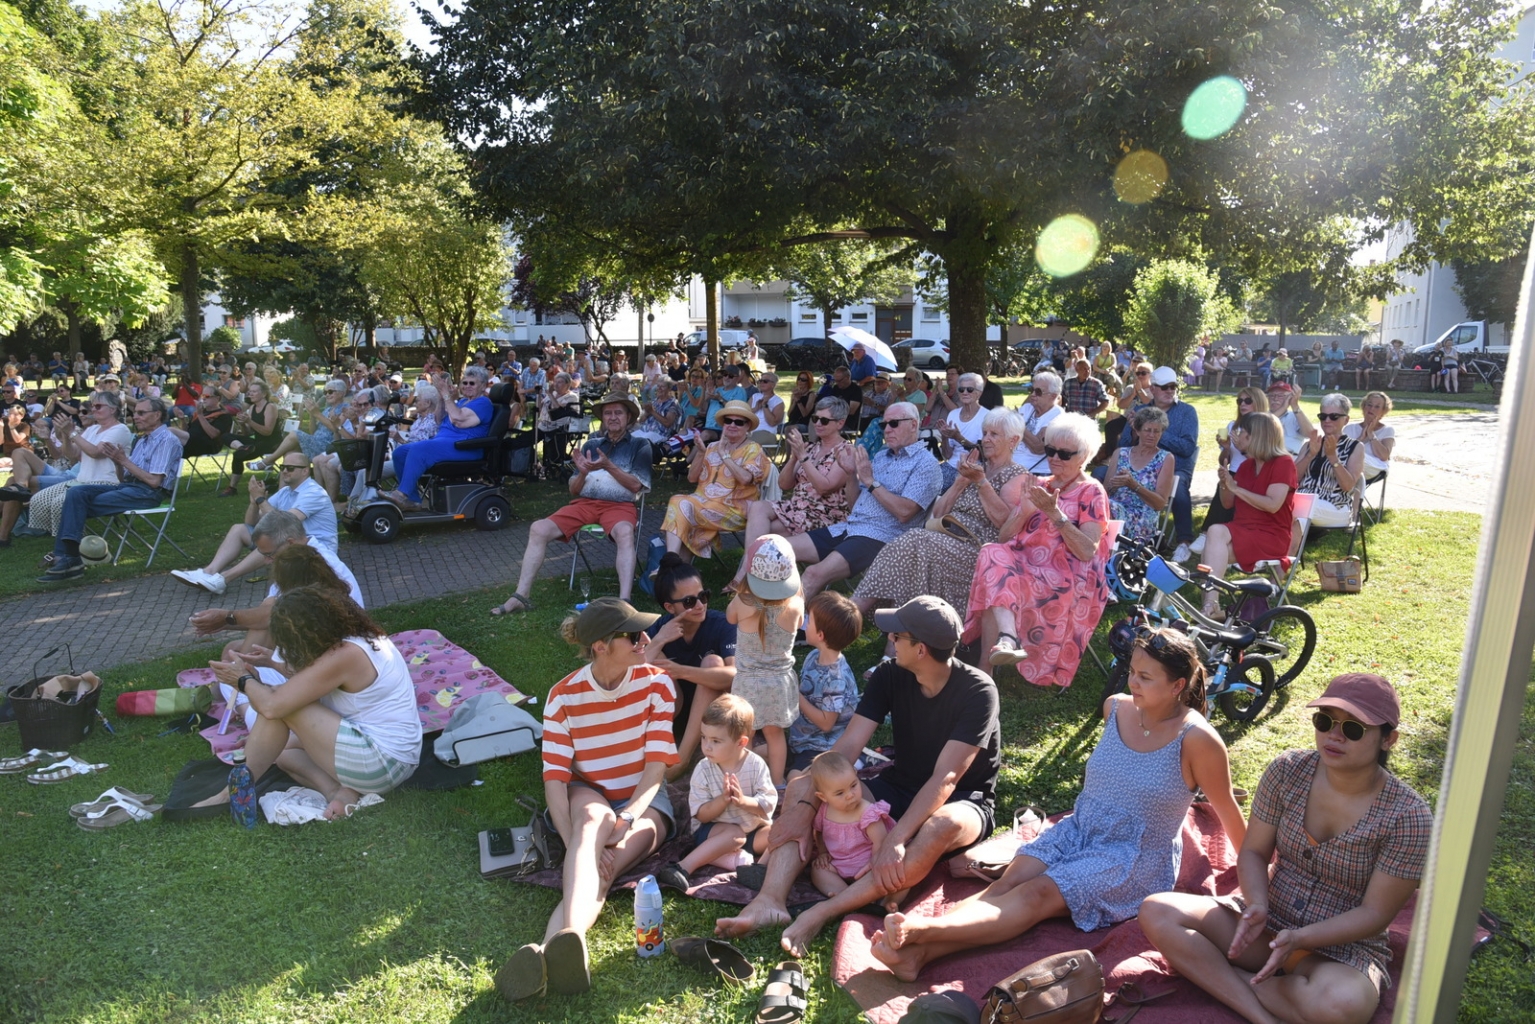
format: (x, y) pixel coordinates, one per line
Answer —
(783, 997)
(714, 955)
(35, 756)
(524, 605)
(1007, 655)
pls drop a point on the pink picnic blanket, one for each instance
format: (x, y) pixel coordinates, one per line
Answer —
(1209, 866)
(445, 675)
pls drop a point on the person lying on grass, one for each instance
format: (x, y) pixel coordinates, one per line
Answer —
(345, 722)
(1305, 941)
(940, 791)
(1122, 841)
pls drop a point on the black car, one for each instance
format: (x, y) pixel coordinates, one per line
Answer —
(807, 354)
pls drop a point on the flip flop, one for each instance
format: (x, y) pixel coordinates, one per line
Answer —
(106, 799)
(566, 966)
(501, 609)
(65, 770)
(783, 997)
(714, 955)
(17, 765)
(524, 975)
(118, 812)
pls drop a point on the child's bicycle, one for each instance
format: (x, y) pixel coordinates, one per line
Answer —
(1247, 661)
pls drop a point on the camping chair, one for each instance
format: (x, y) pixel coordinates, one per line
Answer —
(1283, 569)
(1111, 531)
(770, 492)
(595, 529)
(220, 462)
(121, 528)
(1376, 509)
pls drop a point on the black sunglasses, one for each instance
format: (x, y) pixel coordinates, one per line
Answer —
(822, 420)
(1332, 415)
(1166, 387)
(692, 601)
(887, 424)
(1154, 641)
(1244, 401)
(1352, 731)
(1143, 373)
(1039, 393)
(967, 391)
(735, 421)
(1052, 452)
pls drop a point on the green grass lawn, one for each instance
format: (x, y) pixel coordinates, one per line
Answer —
(384, 918)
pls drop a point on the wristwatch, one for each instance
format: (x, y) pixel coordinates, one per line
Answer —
(229, 619)
(240, 683)
(876, 485)
(626, 817)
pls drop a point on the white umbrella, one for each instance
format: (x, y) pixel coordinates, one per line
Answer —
(847, 337)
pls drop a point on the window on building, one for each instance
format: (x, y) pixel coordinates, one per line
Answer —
(238, 323)
(930, 315)
(809, 316)
(860, 318)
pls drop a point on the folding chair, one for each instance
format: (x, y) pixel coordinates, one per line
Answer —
(1376, 509)
(1111, 530)
(1283, 569)
(120, 527)
(1356, 531)
(771, 443)
(597, 530)
(190, 469)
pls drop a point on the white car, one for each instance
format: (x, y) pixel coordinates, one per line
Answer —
(926, 352)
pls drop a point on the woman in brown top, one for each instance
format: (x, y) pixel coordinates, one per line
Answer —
(1308, 943)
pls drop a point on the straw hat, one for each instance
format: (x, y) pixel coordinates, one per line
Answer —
(736, 407)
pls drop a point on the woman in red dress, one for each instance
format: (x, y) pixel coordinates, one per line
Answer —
(1038, 594)
(1262, 492)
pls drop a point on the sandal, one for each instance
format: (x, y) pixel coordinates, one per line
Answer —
(118, 812)
(523, 605)
(228, 492)
(106, 800)
(523, 976)
(16, 765)
(566, 965)
(1011, 654)
(715, 955)
(783, 997)
(65, 770)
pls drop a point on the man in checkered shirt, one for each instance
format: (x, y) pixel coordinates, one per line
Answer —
(1084, 393)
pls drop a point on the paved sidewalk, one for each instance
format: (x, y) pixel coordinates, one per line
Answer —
(108, 624)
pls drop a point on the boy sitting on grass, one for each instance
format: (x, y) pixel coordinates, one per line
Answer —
(828, 690)
(732, 796)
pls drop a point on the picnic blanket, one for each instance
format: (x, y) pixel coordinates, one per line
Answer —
(445, 675)
(1209, 866)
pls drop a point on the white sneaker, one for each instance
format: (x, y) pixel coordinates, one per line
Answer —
(187, 576)
(1198, 547)
(1182, 554)
(212, 582)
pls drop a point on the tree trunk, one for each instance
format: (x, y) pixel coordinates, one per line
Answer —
(967, 314)
(827, 312)
(71, 310)
(370, 331)
(192, 308)
(712, 324)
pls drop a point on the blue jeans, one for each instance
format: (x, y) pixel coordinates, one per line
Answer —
(1183, 510)
(88, 500)
(413, 459)
(57, 476)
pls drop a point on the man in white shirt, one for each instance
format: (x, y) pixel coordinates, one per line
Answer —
(299, 495)
(1042, 406)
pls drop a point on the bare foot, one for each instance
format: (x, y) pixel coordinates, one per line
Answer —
(759, 913)
(905, 963)
(895, 931)
(339, 801)
(798, 936)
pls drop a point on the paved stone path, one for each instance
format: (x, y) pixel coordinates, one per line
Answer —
(1443, 463)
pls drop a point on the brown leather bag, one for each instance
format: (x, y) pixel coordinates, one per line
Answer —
(1063, 989)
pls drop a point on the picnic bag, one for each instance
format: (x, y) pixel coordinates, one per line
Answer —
(1066, 988)
(1342, 576)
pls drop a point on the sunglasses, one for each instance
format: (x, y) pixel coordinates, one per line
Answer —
(692, 601)
(735, 421)
(967, 391)
(822, 420)
(1143, 373)
(1166, 387)
(888, 424)
(1060, 453)
(1157, 642)
(1039, 393)
(284, 468)
(1352, 731)
(1332, 416)
(1244, 401)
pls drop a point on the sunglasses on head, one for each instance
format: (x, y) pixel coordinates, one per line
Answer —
(1332, 415)
(735, 421)
(1154, 641)
(822, 420)
(1352, 731)
(1052, 452)
(692, 601)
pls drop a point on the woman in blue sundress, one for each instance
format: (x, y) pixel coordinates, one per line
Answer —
(1123, 840)
(1141, 482)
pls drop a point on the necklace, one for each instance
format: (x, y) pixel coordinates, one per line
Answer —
(1147, 732)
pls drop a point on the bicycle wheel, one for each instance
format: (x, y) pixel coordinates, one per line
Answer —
(1119, 674)
(1241, 706)
(1287, 638)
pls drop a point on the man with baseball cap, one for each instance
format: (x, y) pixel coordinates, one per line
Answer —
(941, 789)
(1182, 439)
(1284, 402)
(612, 470)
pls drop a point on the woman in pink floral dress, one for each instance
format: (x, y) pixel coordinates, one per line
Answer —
(1038, 594)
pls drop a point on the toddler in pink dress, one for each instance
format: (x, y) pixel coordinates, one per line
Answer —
(847, 826)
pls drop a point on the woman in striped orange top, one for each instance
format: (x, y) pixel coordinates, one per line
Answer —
(607, 745)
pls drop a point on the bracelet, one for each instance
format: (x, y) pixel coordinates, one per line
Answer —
(807, 803)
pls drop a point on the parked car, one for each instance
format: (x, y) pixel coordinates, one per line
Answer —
(1470, 336)
(926, 352)
(808, 353)
(729, 339)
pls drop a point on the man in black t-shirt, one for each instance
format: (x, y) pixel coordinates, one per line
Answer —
(941, 789)
(842, 386)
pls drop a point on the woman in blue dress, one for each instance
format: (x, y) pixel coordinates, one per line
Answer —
(1123, 840)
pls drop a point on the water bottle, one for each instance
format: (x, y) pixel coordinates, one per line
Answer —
(647, 918)
(242, 796)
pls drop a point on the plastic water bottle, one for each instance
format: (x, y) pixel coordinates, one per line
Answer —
(242, 796)
(647, 918)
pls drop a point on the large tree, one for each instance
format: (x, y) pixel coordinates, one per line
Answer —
(832, 275)
(662, 127)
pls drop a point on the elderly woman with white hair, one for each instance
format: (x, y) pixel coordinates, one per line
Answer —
(961, 429)
(1039, 592)
(940, 560)
(1039, 410)
(1330, 464)
(466, 418)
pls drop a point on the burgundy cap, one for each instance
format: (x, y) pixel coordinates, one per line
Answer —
(1280, 385)
(1365, 695)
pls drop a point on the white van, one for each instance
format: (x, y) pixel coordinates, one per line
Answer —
(729, 339)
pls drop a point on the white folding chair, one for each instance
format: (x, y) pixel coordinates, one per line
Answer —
(1283, 569)
(191, 469)
(595, 529)
(121, 528)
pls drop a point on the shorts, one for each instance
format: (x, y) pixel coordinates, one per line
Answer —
(858, 552)
(900, 800)
(702, 832)
(662, 803)
(590, 511)
(362, 766)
